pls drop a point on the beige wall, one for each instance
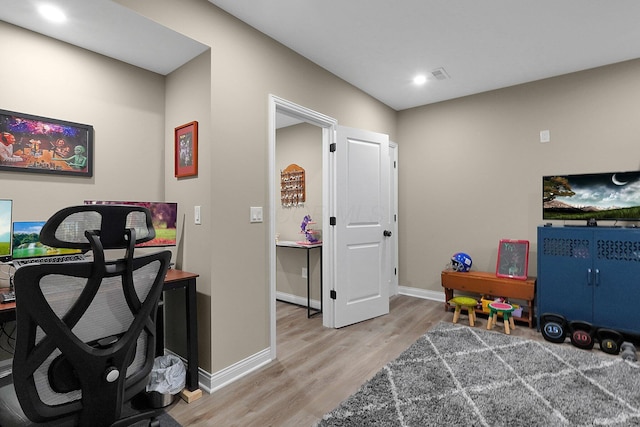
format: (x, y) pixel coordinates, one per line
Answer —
(302, 145)
(226, 90)
(246, 67)
(188, 99)
(124, 104)
(471, 169)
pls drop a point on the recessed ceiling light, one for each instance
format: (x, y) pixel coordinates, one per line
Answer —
(420, 79)
(52, 13)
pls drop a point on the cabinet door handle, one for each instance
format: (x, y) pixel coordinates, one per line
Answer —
(589, 282)
(597, 277)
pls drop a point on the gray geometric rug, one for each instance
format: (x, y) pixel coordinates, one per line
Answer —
(167, 420)
(456, 375)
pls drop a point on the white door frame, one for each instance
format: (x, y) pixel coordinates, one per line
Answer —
(328, 125)
(393, 157)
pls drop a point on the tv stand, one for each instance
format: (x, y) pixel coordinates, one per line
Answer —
(476, 282)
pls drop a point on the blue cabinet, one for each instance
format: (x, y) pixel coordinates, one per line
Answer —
(590, 274)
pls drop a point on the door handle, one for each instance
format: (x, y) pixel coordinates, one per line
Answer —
(386, 233)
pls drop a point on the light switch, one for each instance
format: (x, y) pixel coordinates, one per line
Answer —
(196, 215)
(256, 214)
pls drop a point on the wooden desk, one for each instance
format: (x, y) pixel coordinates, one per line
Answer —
(477, 282)
(178, 279)
(175, 279)
(8, 310)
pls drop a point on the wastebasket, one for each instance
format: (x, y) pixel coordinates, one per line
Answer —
(168, 377)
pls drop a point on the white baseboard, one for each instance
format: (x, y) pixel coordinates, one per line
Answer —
(294, 299)
(213, 382)
(421, 293)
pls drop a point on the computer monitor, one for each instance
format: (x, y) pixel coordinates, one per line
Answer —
(5, 229)
(26, 242)
(164, 216)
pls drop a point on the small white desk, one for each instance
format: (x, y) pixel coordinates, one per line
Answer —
(308, 247)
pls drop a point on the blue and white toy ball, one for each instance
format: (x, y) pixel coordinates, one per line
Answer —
(461, 262)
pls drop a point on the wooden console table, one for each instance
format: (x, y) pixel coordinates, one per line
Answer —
(488, 284)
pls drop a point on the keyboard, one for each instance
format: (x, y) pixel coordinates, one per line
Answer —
(7, 297)
(17, 263)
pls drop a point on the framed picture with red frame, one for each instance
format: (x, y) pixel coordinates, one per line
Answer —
(513, 259)
(186, 150)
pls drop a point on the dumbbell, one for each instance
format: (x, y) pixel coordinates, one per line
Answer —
(628, 351)
(610, 340)
(553, 327)
(582, 334)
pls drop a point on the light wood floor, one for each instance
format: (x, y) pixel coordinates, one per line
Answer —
(318, 367)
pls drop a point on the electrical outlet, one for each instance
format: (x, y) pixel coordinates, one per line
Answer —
(304, 272)
(545, 136)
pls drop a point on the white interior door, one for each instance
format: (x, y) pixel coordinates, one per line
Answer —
(361, 286)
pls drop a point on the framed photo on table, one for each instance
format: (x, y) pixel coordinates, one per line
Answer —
(186, 150)
(513, 259)
(43, 145)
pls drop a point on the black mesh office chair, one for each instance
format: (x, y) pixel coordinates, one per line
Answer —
(85, 340)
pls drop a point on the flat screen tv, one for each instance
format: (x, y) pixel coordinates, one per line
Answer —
(164, 216)
(592, 197)
(5, 229)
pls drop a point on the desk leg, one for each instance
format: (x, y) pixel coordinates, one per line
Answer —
(192, 335)
(160, 327)
(308, 287)
(309, 315)
(448, 294)
(321, 294)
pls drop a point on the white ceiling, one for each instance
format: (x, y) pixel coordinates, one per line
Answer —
(379, 45)
(110, 29)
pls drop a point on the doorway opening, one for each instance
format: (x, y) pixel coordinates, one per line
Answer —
(281, 109)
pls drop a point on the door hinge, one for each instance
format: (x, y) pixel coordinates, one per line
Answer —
(332, 147)
(333, 295)
(332, 220)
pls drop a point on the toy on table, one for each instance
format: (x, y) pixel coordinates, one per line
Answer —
(308, 232)
(460, 261)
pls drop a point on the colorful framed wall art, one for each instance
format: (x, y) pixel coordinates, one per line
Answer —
(36, 144)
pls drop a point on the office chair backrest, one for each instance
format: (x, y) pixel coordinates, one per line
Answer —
(66, 228)
(85, 340)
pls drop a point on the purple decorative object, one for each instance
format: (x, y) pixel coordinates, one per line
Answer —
(308, 232)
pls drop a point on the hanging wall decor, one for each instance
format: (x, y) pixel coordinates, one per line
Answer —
(513, 259)
(292, 186)
(186, 150)
(42, 145)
